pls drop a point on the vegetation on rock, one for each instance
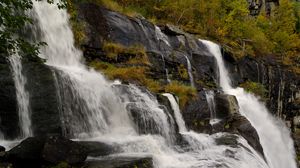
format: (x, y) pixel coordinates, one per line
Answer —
(255, 88)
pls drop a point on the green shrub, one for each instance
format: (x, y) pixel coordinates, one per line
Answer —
(255, 88)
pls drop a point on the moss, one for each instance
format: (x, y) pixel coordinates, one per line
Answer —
(255, 88)
(62, 165)
(78, 26)
(136, 52)
(207, 84)
(184, 92)
(183, 72)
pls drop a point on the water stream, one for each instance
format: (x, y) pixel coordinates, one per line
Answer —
(93, 109)
(273, 134)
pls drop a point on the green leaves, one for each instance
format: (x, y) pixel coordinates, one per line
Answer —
(13, 18)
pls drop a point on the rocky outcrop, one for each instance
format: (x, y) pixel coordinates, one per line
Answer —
(9, 126)
(43, 98)
(38, 151)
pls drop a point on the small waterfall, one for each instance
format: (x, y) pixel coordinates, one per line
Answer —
(177, 113)
(166, 69)
(273, 134)
(210, 98)
(161, 36)
(190, 71)
(22, 95)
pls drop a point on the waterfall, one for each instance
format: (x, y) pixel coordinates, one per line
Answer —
(166, 69)
(89, 104)
(22, 95)
(160, 36)
(177, 113)
(190, 71)
(273, 134)
(93, 108)
(210, 98)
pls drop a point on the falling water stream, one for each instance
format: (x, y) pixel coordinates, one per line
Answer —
(190, 71)
(93, 109)
(22, 96)
(273, 134)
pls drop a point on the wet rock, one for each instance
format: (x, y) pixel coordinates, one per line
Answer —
(197, 115)
(8, 110)
(95, 149)
(226, 105)
(57, 149)
(240, 125)
(2, 149)
(228, 140)
(27, 154)
(38, 151)
(43, 98)
(120, 162)
(172, 30)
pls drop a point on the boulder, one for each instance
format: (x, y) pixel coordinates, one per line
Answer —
(38, 151)
(57, 149)
(240, 125)
(2, 149)
(226, 105)
(27, 154)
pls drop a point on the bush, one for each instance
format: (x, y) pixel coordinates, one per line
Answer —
(255, 88)
(184, 92)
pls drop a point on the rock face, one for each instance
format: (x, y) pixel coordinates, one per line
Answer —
(226, 106)
(44, 105)
(38, 151)
(8, 109)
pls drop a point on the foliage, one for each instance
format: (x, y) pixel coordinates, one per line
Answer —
(131, 74)
(62, 165)
(137, 53)
(184, 92)
(255, 88)
(13, 19)
(228, 22)
(183, 72)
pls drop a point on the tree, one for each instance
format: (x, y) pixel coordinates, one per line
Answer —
(13, 18)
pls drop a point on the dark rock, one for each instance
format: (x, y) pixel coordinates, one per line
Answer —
(226, 106)
(38, 151)
(43, 98)
(2, 149)
(240, 125)
(58, 149)
(228, 140)
(172, 30)
(27, 154)
(9, 117)
(120, 162)
(95, 149)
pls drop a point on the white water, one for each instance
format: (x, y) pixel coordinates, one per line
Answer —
(210, 98)
(93, 110)
(273, 134)
(161, 36)
(177, 113)
(22, 96)
(190, 71)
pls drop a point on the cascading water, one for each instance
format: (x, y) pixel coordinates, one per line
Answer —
(190, 71)
(274, 136)
(92, 109)
(22, 95)
(210, 98)
(89, 104)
